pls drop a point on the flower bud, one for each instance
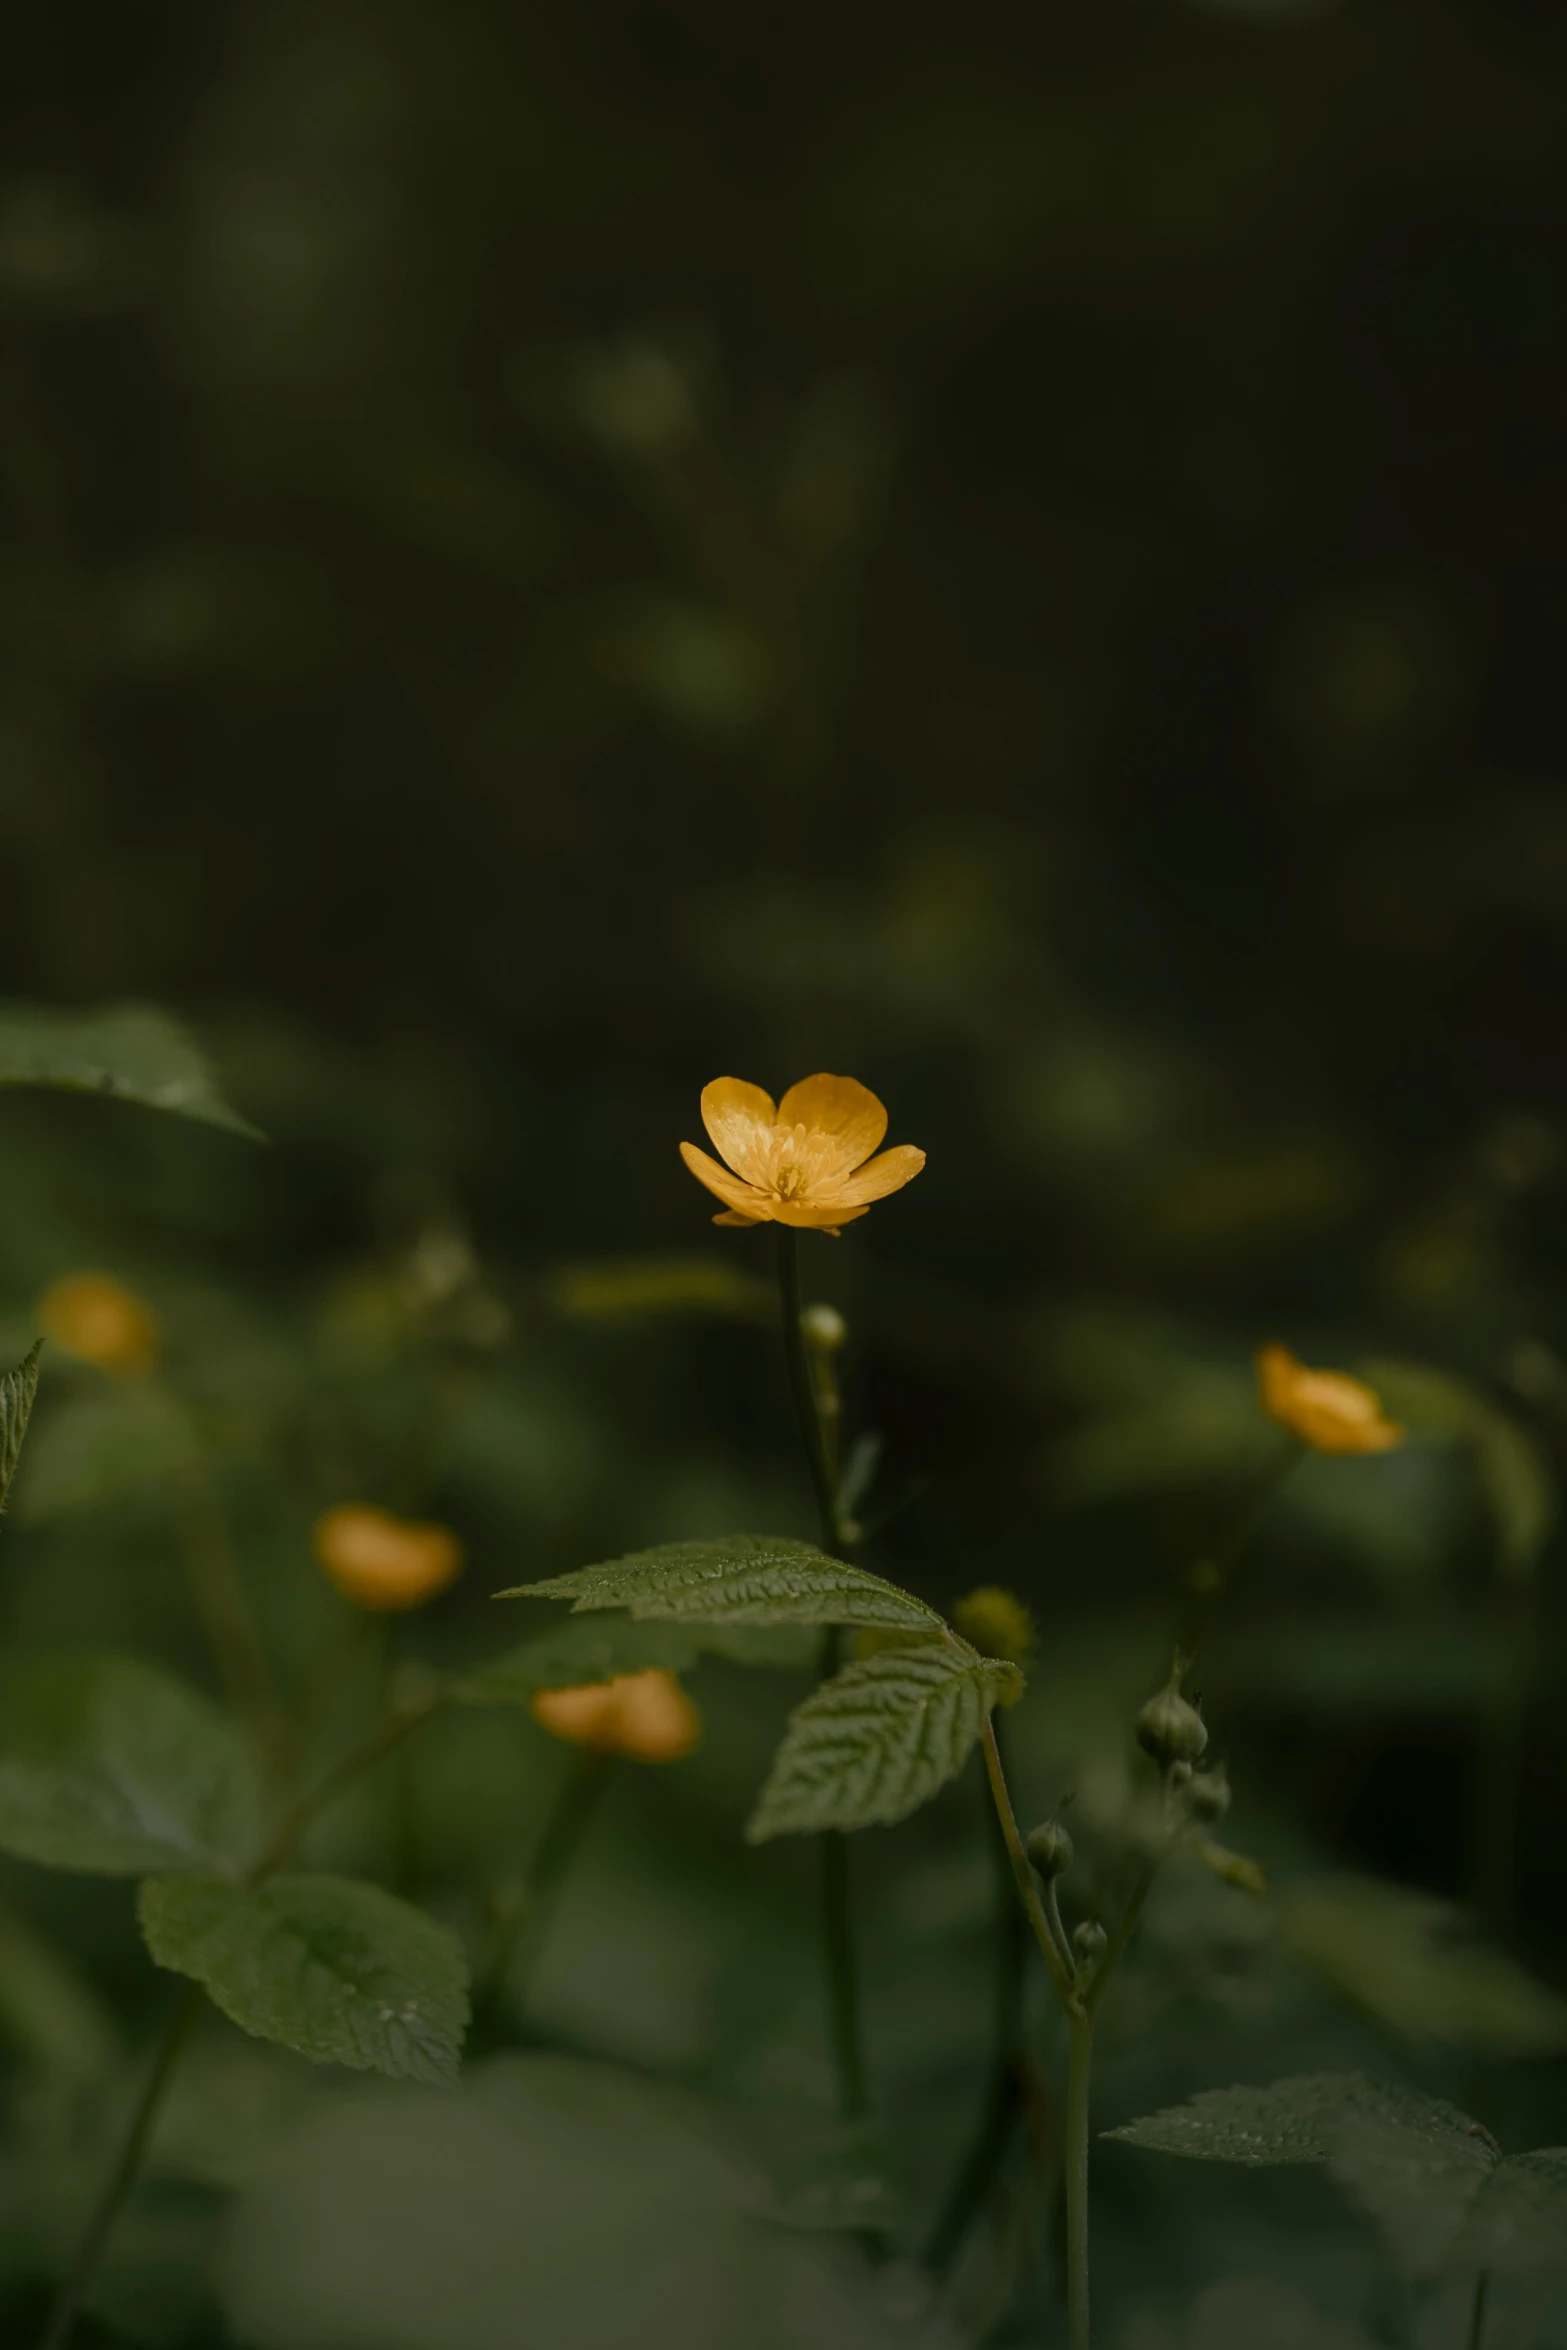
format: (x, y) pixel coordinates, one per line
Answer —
(1171, 1729)
(384, 1563)
(1208, 1795)
(645, 1717)
(995, 1621)
(1089, 1944)
(99, 1320)
(824, 1327)
(1049, 1849)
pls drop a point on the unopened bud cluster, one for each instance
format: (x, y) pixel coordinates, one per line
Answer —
(1049, 1849)
(1170, 1728)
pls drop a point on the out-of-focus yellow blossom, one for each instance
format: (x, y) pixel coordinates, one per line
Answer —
(995, 1621)
(806, 1161)
(385, 1563)
(646, 1717)
(1328, 1410)
(95, 1317)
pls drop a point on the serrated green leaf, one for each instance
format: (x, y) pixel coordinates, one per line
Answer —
(111, 1767)
(17, 1391)
(339, 1971)
(1403, 1956)
(598, 1647)
(1302, 2119)
(877, 1741)
(582, 1650)
(738, 1579)
(129, 1051)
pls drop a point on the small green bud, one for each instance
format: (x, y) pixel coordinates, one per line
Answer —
(1179, 1774)
(1049, 1849)
(995, 1621)
(1208, 1796)
(1089, 1944)
(1169, 1727)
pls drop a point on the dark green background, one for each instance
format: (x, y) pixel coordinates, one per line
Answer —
(546, 554)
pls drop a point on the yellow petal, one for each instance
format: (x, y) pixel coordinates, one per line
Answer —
(654, 1721)
(890, 1172)
(384, 1563)
(583, 1717)
(840, 1107)
(813, 1215)
(722, 1184)
(733, 1216)
(739, 1119)
(1328, 1410)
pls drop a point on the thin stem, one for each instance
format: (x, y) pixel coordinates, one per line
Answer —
(1209, 1579)
(1477, 2312)
(1022, 1874)
(122, 2178)
(802, 1390)
(223, 1604)
(1003, 2104)
(1123, 1932)
(382, 1740)
(845, 2030)
(1079, 2076)
(557, 1848)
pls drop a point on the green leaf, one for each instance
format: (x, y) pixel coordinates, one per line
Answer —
(341, 1972)
(111, 1767)
(877, 1741)
(17, 1390)
(129, 1051)
(1519, 2224)
(738, 1579)
(1303, 2119)
(1403, 1957)
(598, 1647)
(1513, 1471)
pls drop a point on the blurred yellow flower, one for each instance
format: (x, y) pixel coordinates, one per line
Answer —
(1328, 1410)
(647, 1717)
(995, 1621)
(385, 1563)
(97, 1318)
(805, 1162)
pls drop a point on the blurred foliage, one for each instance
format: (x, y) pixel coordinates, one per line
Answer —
(548, 555)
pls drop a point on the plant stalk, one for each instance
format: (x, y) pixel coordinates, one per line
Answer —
(1003, 2104)
(1477, 2311)
(558, 1845)
(122, 2178)
(1079, 2074)
(844, 2025)
(1022, 1873)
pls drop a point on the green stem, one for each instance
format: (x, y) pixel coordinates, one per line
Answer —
(1003, 2103)
(122, 2179)
(1123, 1933)
(800, 1388)
(557, 1848)
(845, 2030)
(1477, 2312)
(1080, 2062)
(1022, 1874)
(223, 1604)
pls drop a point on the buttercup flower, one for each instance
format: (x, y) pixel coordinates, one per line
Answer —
(1328, 1410)
(647, 1717)
(805, 1162)
(385, 1563)
(95, 1317)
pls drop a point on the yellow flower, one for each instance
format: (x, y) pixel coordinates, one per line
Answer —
(646, 1717)
(385, 1563)
(1326, 1409)
(806, 1162)
(97, 1318)
(995, 1621)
